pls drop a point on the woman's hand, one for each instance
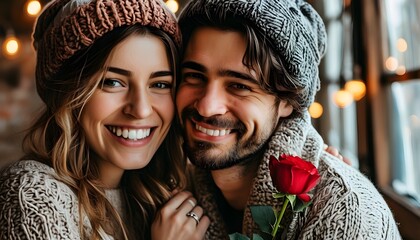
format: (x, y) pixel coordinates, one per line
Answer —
(334, 151)
(180, 218)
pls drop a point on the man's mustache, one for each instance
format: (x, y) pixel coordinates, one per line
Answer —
(216, 121)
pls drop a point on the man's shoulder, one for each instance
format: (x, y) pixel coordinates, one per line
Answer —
(345, 195)
(342, 177)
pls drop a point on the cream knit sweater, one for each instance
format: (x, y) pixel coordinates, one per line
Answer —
(346, 205)
(35, 205)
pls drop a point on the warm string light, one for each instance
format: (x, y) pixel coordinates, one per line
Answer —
(172, 5)
(10, 47)
(343, 98)
(316, 110)
(33, 7)
(402, 45)
(357, 88)
(393, 64)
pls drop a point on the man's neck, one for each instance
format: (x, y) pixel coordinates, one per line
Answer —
(235, 183)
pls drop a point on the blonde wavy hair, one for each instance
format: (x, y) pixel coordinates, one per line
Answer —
(58, 140)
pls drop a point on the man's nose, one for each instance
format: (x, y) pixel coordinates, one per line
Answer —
(212, 101)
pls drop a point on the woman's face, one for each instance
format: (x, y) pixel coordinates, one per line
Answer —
(130, 112)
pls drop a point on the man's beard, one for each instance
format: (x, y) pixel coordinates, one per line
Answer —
(243, 151)
(197, 157)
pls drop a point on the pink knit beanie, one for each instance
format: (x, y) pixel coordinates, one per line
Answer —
(67, 26)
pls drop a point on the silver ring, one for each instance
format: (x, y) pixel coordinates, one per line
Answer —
(194, 216)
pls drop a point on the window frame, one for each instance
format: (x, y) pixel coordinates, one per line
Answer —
(377, 131)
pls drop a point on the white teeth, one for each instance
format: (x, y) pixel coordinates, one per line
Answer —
(212, 132)
(142, 133)
(132, 134)
(125, 133)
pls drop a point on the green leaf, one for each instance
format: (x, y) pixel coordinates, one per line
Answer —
(265, 236)
(300, 205)
(264, 217)
(278, 195)
(238, 236)
(292, 199)
(256, 237)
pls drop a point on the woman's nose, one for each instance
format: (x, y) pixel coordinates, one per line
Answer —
(138, 105)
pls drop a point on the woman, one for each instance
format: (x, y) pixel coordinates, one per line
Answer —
(102, 158)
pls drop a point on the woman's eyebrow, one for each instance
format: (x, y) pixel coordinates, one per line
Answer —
(128, 73)
(119, 71)
(161, 74)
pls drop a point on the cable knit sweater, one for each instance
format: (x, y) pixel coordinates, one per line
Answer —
(35, 205)
(346, 205)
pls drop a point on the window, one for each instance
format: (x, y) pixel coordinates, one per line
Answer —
(394, 87)
(405, 136)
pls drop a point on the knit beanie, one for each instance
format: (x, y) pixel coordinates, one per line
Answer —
(68, 26)
(293, 27)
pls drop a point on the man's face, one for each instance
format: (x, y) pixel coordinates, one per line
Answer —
(225, 114)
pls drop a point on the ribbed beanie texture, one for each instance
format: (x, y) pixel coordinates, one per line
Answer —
(293, 27)
(65, 27)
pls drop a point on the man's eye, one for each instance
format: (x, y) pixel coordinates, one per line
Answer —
(240, 87)
(111, 83)
(193, 76)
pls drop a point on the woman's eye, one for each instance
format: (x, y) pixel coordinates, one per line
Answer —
(111, 83)
(162, 85)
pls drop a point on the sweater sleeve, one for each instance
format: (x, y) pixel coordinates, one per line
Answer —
(35, 205)
(346, 205)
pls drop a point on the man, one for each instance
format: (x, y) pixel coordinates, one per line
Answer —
(249, 73)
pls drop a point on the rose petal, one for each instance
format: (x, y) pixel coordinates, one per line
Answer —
(304, 197)
(311, 182)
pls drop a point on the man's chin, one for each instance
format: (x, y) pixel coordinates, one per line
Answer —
(212, 164)
(218, 161)
(209, 156)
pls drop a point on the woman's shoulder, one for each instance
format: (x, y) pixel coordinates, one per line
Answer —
(33, 178)
(27, 174)
(23, 166)
(35, 202)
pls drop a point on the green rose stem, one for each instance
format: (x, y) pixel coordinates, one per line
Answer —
(278, 220)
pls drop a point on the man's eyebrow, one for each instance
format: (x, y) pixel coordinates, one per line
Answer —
(119, 71)
(240, 75)
(223, 72)
(194, 66)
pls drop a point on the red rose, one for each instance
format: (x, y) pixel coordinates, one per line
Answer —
(293, 175)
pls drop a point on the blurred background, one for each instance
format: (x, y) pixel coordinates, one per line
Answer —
(368, 106)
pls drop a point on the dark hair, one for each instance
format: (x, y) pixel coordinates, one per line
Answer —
(58, 140)
(259, 55)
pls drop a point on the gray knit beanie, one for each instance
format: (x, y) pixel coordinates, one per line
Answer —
(293, 27)
(67, 26)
